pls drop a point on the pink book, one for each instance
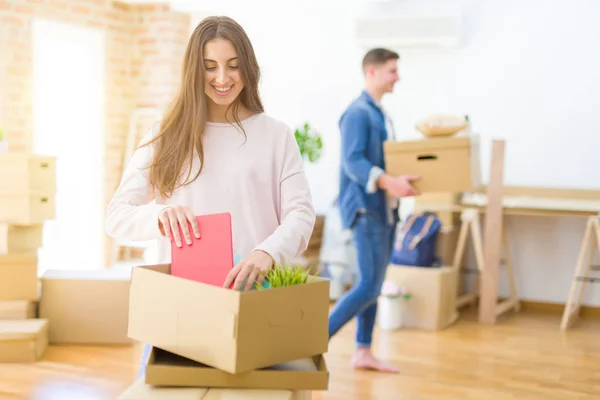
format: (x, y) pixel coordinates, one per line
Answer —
(209, 258)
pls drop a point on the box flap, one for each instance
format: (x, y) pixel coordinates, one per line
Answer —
(141, 391)
(167, 369)
(25, 329)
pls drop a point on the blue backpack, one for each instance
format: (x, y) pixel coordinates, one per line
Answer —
(415, 241)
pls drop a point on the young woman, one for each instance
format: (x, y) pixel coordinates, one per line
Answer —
(217, 151)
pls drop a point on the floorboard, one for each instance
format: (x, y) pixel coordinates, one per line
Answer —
(525, 356)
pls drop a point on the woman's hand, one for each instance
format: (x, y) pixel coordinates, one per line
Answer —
(253, 267)
(172, 217)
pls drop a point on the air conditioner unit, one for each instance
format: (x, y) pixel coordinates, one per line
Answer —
(405, 30)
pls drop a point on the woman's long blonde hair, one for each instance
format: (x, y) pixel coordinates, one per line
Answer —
(182, 128)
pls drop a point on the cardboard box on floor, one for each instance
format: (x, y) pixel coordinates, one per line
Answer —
(443, 164)
(434, 291)
(227, 329)
(142, 391)
(168, 369)
(18, 277)
(23, 340)
(86, 306)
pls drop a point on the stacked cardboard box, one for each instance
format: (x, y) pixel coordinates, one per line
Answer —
(97, 303)
(214, 343)
(27, 192)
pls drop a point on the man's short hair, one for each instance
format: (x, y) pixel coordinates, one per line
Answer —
(378, 56)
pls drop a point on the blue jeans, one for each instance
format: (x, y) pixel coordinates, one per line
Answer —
(373, 242)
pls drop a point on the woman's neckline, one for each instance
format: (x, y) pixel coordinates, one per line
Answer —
(233, 123)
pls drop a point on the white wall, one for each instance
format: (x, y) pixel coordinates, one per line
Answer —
(529, 72)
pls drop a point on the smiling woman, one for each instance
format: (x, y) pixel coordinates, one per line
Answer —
(217, 151)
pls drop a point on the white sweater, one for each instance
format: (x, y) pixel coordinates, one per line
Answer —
(261, 182)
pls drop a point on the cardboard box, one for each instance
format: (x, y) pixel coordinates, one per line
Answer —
(443, 164)
(18, 277)
(227, 329)
(18, 309)
(27, 209)
(434, 291)
(23, 340)
(168, 369)
(86, 306)
(445, 248)
(29, 173)
(143, 391)
(20, 238)
(443, 204)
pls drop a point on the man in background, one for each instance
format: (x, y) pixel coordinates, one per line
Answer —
(365, 207)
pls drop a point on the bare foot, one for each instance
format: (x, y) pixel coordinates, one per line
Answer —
(364, 359)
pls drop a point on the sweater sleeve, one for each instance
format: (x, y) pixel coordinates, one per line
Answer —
(130, 215)
(297, 214)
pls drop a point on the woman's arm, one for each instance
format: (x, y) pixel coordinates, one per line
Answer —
(297, 210)
(130, 215)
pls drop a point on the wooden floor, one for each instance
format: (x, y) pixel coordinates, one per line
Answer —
(525, 356)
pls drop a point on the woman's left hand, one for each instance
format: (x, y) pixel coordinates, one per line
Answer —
(254, 267)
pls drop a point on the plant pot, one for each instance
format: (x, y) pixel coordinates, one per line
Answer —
(390, 311)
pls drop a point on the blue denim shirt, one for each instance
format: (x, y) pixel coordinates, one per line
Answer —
(363, 131)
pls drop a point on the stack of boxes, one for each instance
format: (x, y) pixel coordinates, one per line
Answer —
(214, 343)
(447, 166)
(27, 192)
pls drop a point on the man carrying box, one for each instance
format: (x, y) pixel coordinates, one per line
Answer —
(364, 203)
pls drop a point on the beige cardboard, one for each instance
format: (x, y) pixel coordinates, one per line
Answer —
(27, 209)
(441, 204)
(443, 164)
(17, 309)
(28, 173)
(226, 329)
(143, 391)
(434, 291)
(447, 240)
(20, 238)
(18, 277)
(86, 306)
(23, 340)
(167, 369)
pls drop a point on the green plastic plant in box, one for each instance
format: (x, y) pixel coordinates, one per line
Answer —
(282, 276)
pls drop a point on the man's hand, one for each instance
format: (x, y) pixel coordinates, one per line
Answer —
(254, 267)
(398, 186)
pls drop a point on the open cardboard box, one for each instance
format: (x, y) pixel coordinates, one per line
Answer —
(227, 329)
(168, 369)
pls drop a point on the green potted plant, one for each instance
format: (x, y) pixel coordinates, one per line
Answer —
(310, 142)
(282, 276)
